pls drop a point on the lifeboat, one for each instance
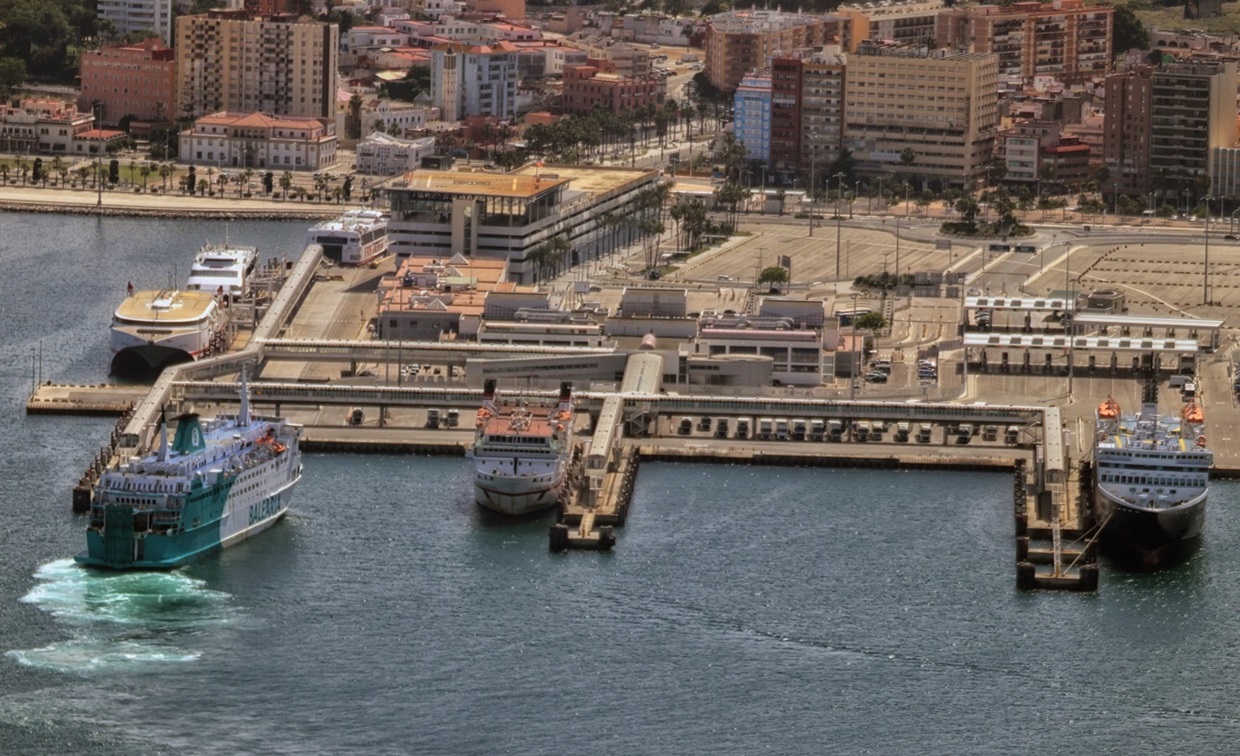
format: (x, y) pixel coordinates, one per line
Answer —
(1193, 413)
(1108, 410)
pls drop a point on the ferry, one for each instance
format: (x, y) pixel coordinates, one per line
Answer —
(1151, 478)
(222, 269)
(214, 485)
(356, 238)
(155, 328)
(521, 453)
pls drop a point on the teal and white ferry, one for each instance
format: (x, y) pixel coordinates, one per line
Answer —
(217, 483)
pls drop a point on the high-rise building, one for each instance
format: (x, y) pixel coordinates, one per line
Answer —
(785, 140)
(129, 16)
(940, 106)
(1163, 124)
(1126, 131)
(470, 80)
(1192, 111)
(738, 42)
(242, 62)
(752, 113)
(1065, 39)
(131, 80)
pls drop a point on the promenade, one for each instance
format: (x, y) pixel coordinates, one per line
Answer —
(174, 205)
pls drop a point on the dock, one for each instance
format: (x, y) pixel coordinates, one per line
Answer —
(1056, 534)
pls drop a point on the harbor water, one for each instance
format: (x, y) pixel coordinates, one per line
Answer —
(744, 609)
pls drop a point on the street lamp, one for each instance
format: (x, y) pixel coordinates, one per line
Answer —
(897, 250)
(853, 199)
(839, 177)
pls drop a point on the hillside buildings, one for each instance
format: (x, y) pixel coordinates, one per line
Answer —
(130, 16)
(384, 155)
(586, 89)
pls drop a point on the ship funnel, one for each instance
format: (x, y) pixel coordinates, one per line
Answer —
(243, 413)
(566, 396)
(189, 437)
(488, 394)
(163, 435)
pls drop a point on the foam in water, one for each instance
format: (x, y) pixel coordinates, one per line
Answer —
(120, 621)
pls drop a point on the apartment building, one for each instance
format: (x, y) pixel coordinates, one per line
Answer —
(1164, 124)
(941, 105)
(823, 75)
(1066, 39)
(586, 89)
(738, 42)
(130, 16)
(238, 61)
(1020, 147)
(910, 23)
(752, 113)
(785, 115)
(470, 80)
(136, 80)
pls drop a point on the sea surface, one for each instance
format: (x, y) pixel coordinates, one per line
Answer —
(744, 609)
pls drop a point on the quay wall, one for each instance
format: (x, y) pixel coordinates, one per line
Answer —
(198, 212)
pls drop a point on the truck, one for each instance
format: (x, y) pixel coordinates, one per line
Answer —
(742, 428)
(902, 431)
(432, 418)
(817, 429)
(1012, 435)
(765, 426)
(798, 430)
(861, 431)
(835, 430)
(454, 418)
(923, 433)
(781, 429)
(990, 433)
(964, 433)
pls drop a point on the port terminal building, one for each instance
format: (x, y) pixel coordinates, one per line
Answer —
(506, 216)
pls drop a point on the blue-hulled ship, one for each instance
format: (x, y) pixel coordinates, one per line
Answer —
(214, 485)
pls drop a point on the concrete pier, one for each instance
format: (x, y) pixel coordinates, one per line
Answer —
(1055, 531)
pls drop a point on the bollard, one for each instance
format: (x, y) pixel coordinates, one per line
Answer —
(559, 537)
(1089, 577)
(1024, 576)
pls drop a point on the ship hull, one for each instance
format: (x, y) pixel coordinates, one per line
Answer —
(512, 495)
(146, 361)
(1155, 537)
(228, 519)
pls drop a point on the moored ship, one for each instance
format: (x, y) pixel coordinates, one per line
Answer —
(155, 328)
(222, 269)
(521, 452)
(355, 238)
(214, 485)
(1151, 478)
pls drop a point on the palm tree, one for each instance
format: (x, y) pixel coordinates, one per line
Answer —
(286, 181)
(58, 167)
(165, 170)
(144, 171)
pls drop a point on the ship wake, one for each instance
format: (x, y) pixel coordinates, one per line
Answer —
(121, 622)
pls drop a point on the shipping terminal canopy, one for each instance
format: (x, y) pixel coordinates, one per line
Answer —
(1025, 304)
(1100, 343)
(1102, 319)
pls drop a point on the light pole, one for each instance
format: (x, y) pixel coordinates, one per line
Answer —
(853, 199)
(839, 177)
(852, 353)
(1205, 273)
(897, 250)
(813, 164)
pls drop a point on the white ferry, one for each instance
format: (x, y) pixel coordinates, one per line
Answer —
(1151, 478)
(215, 485)
(355, 238)
(155, 328)
(222, 269)
(521, 454)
